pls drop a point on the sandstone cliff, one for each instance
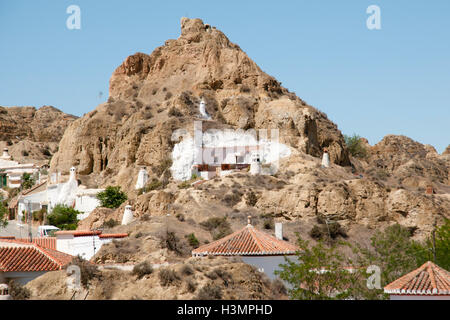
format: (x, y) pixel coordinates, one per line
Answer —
(32, 134)
(153, 95)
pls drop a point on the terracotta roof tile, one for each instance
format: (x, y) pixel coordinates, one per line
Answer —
(429, 279)
(23, 257)
(113, 235)
(247, 242)
(78, 233)
(49, 242)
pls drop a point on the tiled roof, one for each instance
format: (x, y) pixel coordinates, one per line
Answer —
(113, 235)
(247, 242)
(429, 279)
(78, 233)
(25, 257)
(49, 242)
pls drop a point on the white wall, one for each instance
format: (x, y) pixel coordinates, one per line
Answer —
(418, 297)
(86, 204)
(83, 246)
(23, 278)
(268, 263)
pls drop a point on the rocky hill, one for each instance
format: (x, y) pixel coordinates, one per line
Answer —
(32, 134)
(398, 180)
(153, 95)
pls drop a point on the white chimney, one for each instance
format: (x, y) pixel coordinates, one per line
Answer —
(73, 174)
(325, 159)
(127, 215)
(279, 230)
(142, 179)
(5, 154)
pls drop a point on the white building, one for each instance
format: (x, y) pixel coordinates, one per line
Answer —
(11, 171)
(255, 247)
(48, 195)
(23, 262)
(83, 243)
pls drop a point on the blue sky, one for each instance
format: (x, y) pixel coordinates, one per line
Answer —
(390, 81)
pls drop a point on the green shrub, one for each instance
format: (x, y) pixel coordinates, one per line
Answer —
(355, 146)
(184, 185)
(63, 217)
(27, 181)
(192, 240)
(112, 197)
(3, 214)
(39, 215)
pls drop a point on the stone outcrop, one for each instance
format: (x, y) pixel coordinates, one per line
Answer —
(46, 124)
(30, 134)
(153, 95)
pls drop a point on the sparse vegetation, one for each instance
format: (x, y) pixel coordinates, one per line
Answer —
(192, 240)
(142, 269)
(219, 227)
(170, 241)
(155, 184)
(88, 270)
(210, 292)
(111, 223)
(186, 270)
(167, 277)
(355, 146)
(252, 199)
(112, 197)
(174, 112)
(17, 291)
(162, 167)
(191, 286)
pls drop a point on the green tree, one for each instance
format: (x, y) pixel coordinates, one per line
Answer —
(308, 282)
(27, 181)
(425, 251)
(394, 252)
(355, 146)
(112, 197)
(63, 217)
(3, 213)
